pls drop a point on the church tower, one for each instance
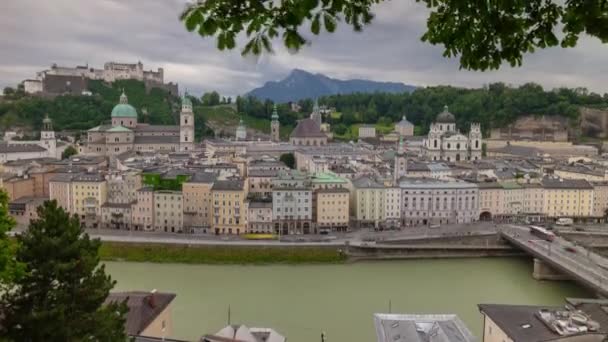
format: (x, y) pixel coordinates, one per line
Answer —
(316, 114)
(186, 125)
(400, 162)
(475, 141)
(274, 125)
(47, 137)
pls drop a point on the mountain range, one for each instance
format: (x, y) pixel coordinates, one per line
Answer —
(300, 84)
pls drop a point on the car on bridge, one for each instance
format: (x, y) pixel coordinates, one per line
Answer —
(570, 249)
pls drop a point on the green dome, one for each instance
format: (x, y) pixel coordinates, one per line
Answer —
(124, 109)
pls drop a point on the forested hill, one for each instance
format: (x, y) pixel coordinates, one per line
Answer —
(493, 106)
(78, 112)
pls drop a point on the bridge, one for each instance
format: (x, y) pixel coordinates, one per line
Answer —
(576, 262)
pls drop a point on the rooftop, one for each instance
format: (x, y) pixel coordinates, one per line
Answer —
(421, 328)
(144, 307)
(538, 323)
(426, 183)
(20, 148)
(327, 177)
(228, 185)
(560, 183)
(307, 128)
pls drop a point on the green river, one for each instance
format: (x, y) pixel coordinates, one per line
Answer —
(302, 301)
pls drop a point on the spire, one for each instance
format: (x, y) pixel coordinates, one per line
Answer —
(315, 108)
(123, 97)
(275, 115)
(47, 123)
(445, 108)
(401, 149)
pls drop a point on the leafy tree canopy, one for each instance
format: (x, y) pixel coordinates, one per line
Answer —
(483, 33)
(61, 295)
(289, 160)
(68, 152)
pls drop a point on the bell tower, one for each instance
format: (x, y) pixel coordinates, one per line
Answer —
(275, 125)
(475, 141)
(186, 125)
(400, 162)
(47, 137)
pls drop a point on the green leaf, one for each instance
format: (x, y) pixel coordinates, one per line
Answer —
(329, 22)
(193, 20)
(315, 26)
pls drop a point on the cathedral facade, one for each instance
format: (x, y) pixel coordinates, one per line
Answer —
(126, 134)
(445, 142)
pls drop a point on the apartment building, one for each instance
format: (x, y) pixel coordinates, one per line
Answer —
(600, 199)
(168, 211)
(117, 216)
(432, 201)
(392, 207)
(122, 187)
(82, 194)
(332, 209)
(368, 202)
(229, 209)
(89, 194)
(198, 208)
(491, 200)
(292, 208)
(143, 217)
(260, 181)
(534, 200)
(567, 197)
(60, 190)
(259, 217)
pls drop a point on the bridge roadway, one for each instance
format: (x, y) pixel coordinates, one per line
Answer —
(579, 263)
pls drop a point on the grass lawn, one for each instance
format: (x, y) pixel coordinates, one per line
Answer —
(202, 254)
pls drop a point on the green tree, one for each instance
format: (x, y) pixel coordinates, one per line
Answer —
(211, 99)
(10, 269)
(288, 159)
(483, 33)
(340, 129)
(68, 152)
(61, 295)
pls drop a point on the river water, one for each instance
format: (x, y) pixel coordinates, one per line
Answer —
(302, 301)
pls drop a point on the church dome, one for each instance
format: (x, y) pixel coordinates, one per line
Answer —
(445, 116)
(124, 109)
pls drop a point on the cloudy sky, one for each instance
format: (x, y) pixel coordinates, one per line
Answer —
(34, 34)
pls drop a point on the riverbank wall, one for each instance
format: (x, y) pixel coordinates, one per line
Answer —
(395, 252)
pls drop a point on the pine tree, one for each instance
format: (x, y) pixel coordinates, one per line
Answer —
(61, 295)
(9, 269)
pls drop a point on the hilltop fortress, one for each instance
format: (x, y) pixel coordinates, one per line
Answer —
(74, 80)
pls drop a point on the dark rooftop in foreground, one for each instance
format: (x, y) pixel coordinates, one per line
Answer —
(144, 307)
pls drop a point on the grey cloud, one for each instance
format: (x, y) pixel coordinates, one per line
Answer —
(34, 34)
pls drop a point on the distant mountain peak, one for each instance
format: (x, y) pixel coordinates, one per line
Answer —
(301, 84)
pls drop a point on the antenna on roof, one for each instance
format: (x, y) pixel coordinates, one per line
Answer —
(228, 314)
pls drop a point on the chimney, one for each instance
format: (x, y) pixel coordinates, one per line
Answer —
(152, 299)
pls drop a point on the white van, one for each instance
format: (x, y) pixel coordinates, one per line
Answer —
(564, 221)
